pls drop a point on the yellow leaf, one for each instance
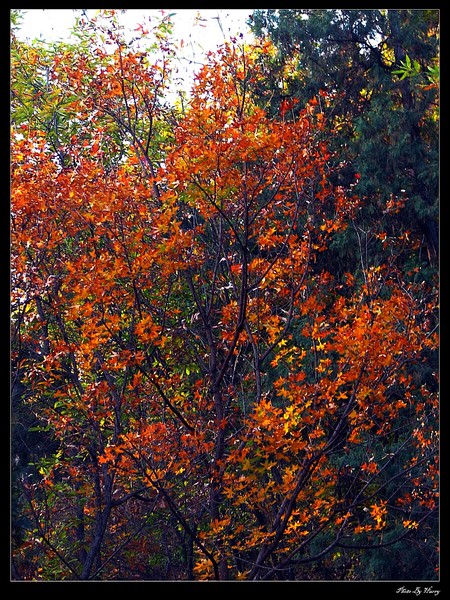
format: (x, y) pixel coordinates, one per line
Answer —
(353, 415)
(320, 345)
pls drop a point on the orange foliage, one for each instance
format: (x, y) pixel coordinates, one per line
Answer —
(181, 345)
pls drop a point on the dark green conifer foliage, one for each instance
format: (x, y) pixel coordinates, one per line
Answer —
(381, 68)
(389, 132)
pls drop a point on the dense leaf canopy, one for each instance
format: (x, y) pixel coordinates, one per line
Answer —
(225, 310)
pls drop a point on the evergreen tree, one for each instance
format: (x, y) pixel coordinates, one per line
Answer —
(388, 123)
(375, 74)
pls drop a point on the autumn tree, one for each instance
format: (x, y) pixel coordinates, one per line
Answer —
(214, 405)
(91, 161)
